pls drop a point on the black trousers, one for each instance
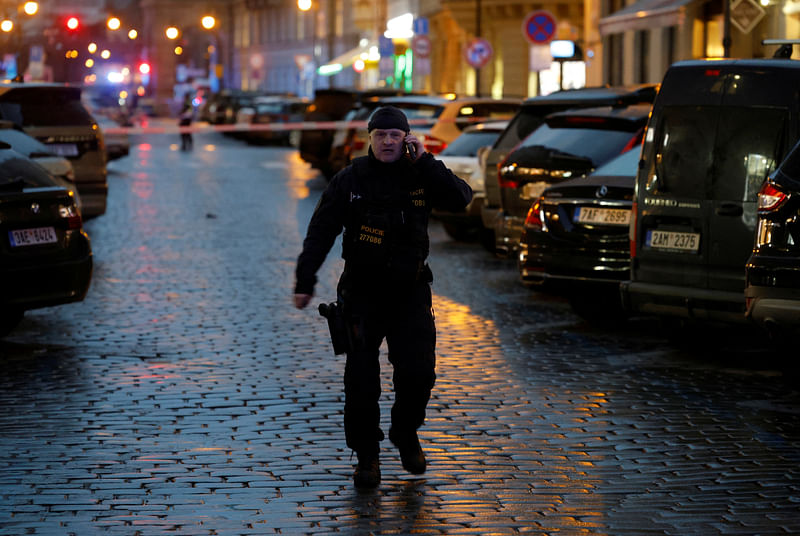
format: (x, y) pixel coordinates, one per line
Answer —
(403, 316)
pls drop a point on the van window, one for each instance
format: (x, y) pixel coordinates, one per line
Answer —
(682, 151)
(750, 143)
(33, 106)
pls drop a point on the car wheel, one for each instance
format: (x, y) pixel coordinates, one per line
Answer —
(487, 239)
(9, 320)
(294, 138)
(458, 233)
(600, 308)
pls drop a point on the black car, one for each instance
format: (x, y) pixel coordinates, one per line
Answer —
(529, 117)
(568, 145)
(45, 255)
(575, 239)
(718, 129)
(772, 291)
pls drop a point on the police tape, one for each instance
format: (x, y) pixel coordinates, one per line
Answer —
(204, 127)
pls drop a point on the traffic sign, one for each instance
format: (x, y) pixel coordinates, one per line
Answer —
(539, 27)
(421, 45)
(478, 52)
(420, 26)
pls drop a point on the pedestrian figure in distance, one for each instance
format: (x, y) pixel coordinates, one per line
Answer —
(185, 120)
(383, 202)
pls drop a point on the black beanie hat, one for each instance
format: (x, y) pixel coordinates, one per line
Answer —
(387, 117)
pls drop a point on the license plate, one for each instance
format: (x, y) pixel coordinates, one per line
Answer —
(32, 237)
(670, 240)
(64, 149)
(606, 216)
(533, 190)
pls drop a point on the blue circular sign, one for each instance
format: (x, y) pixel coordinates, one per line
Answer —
(539, 27)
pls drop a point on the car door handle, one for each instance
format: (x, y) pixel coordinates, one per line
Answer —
(729, 209)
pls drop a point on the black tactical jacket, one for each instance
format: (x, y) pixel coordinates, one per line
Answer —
(384, 210)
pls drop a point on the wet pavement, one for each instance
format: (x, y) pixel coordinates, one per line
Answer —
(186, 395)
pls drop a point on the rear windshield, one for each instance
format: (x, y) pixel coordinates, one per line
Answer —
(730, 149)
(470, 114)
(44, 106)
(419, 112)
(14, 166)
(599, 146)
(520, 126)
(624, 165)
(468, 143)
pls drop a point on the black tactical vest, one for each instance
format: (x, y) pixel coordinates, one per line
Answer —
(386, 229)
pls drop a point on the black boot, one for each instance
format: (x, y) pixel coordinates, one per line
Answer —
(410, 451)
(368, 471)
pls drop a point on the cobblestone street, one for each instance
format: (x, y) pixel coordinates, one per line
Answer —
(186, 395)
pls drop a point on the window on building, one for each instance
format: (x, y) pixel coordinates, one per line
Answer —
(642, 48)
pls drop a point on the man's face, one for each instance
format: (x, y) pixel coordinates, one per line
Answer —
(387, 144)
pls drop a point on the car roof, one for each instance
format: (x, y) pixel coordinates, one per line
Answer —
(422, 99)
(643, 93)
(492, 126)
(775, 63)
(633, 112)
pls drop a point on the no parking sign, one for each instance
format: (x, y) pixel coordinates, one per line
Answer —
(478, 52)
(539, 27)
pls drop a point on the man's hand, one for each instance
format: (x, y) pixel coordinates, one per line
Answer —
(301, 300)
(413, 140)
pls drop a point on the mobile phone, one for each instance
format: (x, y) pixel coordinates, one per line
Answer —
(411, 150)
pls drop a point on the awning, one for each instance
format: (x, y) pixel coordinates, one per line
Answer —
(644, 15)
(346, 59)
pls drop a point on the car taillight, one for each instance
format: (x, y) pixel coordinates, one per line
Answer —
(632, 230)
(535, 218)
(70, 214)
(770, 198)
(505, 175)
(434, 145)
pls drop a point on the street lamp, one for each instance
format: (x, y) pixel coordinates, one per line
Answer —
(172, 33)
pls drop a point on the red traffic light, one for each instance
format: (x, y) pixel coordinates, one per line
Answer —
(144, 68)
(73, 23)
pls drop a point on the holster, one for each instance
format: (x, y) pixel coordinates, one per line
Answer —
(337, 324)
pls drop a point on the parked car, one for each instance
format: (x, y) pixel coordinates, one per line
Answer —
(55, 115)
(575, 239)
(437, 121)
(272, 110)
(718, 129)
(528, 118)
(57, 166)
(349, 140)
(45, 255)
(331, 105)
(465, 157)
(772, 274)
(117, 141)
(567, 145)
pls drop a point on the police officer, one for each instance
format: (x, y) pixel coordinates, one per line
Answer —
(383, 201)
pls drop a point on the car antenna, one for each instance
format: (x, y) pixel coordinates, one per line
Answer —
(785, 50)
